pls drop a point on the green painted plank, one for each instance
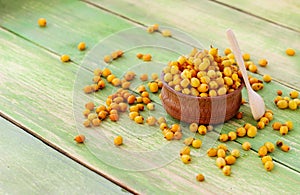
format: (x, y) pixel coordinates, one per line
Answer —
(28, 166)
(285, 13)
(208, 21)
(170, 178)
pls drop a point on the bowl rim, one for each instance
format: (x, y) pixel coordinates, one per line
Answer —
(239, 89)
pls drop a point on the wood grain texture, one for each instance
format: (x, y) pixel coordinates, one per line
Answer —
(285, 13)
(208, 21)
(28, 166)
(38, 98)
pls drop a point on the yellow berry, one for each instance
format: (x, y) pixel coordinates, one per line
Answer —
(147, 57)
(276, 125)
(285, 148)
(283, 130)
(212, 152)
(267, 78)
(42, 22)
(188, 141)
(193, 127)
(235, 153)
(232, 135)
(151, 120)
(252, 131)
(262, 151)
(260, 125)
(230, 160)
(118, 140)
(265, 159)
(222, 146)
(202, 130)
(269, 165)
(79, 138)
(289, 124)
(200, 177)
(107, 58)
(81, 46)
(186, 158)
(241, 132)
(227, 51)
(185, 150)
(263, 62)
(196, 143)
(246, 146)
(153, 87)
(139, 119)
(65, 58)
(294, 94)
(220, 162)
(270, 146)
(293, 105)
(166, 33)
(169, 135)
(226, 170)
(290, 51)
(246, 56)
(223, 137)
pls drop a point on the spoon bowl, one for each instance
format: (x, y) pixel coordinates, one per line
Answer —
(256, 102)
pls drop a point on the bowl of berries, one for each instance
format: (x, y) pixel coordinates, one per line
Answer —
(202, 87)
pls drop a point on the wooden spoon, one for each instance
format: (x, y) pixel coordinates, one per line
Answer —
(257, 104)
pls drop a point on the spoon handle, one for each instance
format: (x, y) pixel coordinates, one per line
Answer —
(238, 56)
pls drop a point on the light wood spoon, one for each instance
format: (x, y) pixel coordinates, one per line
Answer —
(257, 104)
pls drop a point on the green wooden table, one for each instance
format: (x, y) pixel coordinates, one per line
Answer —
(41, 98)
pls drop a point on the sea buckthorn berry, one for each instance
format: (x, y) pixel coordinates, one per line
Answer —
(264, 159)
(101, 84)
(118, 140)
(140, 106)
(223, 137)
(263, 62)
(257, 86)
(235, 153)
(293, 105)
(262, 151)
(116, 82)
(246, 146)
(264, 120)
(210, 127)
(147, 57)
(232, 135)
(107, 59)
(290, 52)
(282, 104)
(175, 127)
(211, 152)
(114, 117)
(151, 120)
(197, 143)
(267, 78)
(106, 72)
(65, 58)
(220, 162)
(102, 115)
(139, 119)
(166, 33)
(252, 68)
(279, 92)
(42, 22)
(221, 153)
(294, 94)
(169, 135)
(239, 115)
(131, 99)
(230, 160)
(276, 125)
(150, 29)
(279, 143)
(193, 127)
(133, 114)
(200, 177)
(90, 106)
(188, 141)
(155, 27)
(161, 120)
(241, 132)
(139, 55)
(252, 131)
(79, 138)
(96, 122)
(186, 158)
(283, 130)
(246, 56)
(87, 123)
(222, 146)
(268, 115)
(202, 130)
(185, 150)
(178, 135)
(289, 124)
(110, 77)
(163, 126)
(153, 87)
(269, 165)
(285, 148)
(270, 146)
(260, 125)
(92, 116)
(227, 51)
(226, 170)
(88, 89)
(150, 106)
(86, 112)
(81, 46)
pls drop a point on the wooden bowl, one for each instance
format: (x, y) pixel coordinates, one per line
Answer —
(201, 110)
